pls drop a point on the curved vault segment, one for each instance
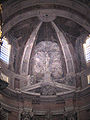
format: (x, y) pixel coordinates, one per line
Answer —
(61, 13)
(27, 52)
(29, 45)
(65, 49)
(52, 86)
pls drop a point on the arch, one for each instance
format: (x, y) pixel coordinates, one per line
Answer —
(65, 49)
(28, 49)
(61, 13)
(20, 5)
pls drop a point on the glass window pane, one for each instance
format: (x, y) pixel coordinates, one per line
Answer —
(5, 51)
(87, 49)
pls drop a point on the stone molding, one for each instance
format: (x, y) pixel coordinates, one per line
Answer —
(62, 13)
(16, 6)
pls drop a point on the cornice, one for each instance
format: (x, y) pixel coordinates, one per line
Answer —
(12, 94)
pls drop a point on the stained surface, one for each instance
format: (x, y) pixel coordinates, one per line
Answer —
(46, 59)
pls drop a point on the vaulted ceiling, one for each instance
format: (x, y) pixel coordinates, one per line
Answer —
(44, 45)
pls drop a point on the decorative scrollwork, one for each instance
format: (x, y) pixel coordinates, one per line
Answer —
(26, 115)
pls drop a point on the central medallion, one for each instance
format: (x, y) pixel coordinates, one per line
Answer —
(47, 15)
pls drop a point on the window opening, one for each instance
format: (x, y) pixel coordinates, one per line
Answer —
(5, 51)
(87, 49)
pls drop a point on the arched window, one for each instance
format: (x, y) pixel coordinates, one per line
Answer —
(88, 77)
(87, 49)
(87, 54)
(5, 51)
